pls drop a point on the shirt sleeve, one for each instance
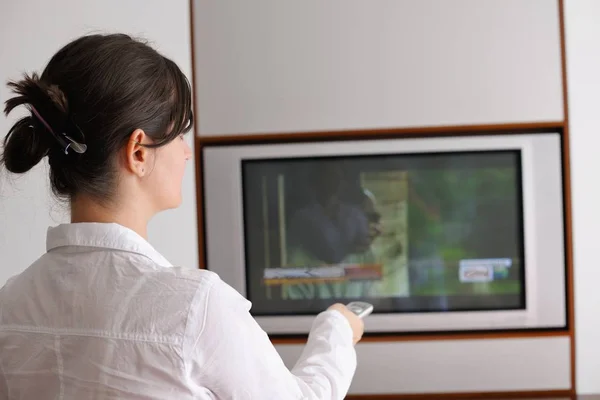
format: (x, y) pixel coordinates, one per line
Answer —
(233, 357)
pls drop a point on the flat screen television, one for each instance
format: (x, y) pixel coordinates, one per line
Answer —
(440, 234)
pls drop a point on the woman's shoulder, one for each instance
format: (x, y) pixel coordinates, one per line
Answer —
(193, 275)
(213, 303)
(210, 290)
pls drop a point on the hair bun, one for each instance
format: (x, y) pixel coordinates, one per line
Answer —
(57, 97)
(28, 141)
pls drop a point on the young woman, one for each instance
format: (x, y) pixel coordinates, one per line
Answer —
(102, 314)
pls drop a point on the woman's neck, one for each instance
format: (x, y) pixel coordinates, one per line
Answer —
(84, 209)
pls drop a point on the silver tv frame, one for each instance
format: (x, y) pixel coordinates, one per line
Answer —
(543, 220)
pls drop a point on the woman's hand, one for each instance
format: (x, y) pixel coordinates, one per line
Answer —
(357, 324)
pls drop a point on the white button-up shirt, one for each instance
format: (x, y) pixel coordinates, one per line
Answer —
(102, 315)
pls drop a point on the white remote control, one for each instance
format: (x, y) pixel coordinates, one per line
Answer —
(360, 308)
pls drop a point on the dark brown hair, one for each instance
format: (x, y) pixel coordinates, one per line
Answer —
(97, 90)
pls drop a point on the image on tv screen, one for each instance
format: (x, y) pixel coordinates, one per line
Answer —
(434, 232)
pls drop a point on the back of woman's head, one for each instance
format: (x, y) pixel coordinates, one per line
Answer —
(91, 96)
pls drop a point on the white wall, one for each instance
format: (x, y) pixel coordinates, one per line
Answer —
(31, 31)
(282, 65)
(583, 78)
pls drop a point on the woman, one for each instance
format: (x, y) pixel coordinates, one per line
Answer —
(102, 314)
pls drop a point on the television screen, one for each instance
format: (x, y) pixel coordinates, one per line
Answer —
(419, 232)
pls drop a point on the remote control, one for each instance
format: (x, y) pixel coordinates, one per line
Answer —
(360, 308)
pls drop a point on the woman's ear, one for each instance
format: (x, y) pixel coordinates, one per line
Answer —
(137, 156)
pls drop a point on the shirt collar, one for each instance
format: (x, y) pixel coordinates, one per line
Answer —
(102, 235)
